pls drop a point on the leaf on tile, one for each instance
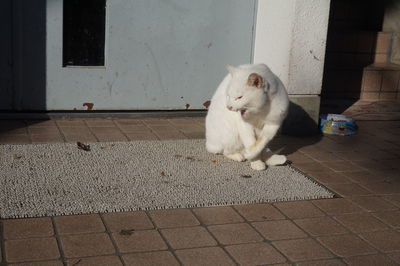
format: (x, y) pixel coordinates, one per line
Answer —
(126, 232)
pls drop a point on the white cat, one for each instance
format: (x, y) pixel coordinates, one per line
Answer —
(245, 114)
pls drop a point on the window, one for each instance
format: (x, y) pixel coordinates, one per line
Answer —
(84, 32)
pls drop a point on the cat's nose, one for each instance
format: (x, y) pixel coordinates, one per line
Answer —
(230, 107)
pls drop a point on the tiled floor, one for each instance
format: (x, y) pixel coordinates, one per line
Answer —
(362, 227)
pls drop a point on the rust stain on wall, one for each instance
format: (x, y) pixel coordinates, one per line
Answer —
(206, 104)
(89, 106)
(187, 106)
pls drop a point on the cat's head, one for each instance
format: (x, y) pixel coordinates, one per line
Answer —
(247, 91)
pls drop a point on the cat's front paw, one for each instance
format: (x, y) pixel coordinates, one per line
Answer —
(276, 160)
(258, 165)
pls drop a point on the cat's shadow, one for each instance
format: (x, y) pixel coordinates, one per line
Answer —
(298, 130)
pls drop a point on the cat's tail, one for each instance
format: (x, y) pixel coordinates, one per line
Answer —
(276, 160)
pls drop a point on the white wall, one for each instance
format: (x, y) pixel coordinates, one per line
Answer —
(291, 39)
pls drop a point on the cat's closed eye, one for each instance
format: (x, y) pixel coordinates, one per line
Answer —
(238, 98)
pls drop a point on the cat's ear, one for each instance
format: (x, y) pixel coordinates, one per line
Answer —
(255, 80)
(231, 69)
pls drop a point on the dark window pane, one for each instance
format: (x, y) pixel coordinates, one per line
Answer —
(84, 32)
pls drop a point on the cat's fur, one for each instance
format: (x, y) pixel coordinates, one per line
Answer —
(245, 113)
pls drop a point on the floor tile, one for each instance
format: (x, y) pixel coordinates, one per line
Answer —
(139, 241)
(376, 259)
(321, 226)
(346, 190)
(327, 262)
(137, 128)
(347, 245)
(217, 215)
(41, 123)
(15, 139)
(204, 256)
(27, 228)
(40, 263)
(322, 156)
(96, 261)
(391, 218)
(77, 224)
(188, 237)
(372, 204)
(99, 123)
(343, 166)
(358, 223)
(302, 249)
(330, 177)
(228, 234)
(383, 187)
(71, 123)
(395, 256)
(364, 177)
(370, 165)
(299, 157)
(32, 249)
(105, 130)
(299, 209)
(173, 218)
(160, 258)
(47, 138)
(44, 130)
(81, 138)
(122, 121)
(393, 199)
(336, 206)
(385, 241)
(14, 130)
(118, 221)
(142, 136)
(277, 230)
(255, 254)
(156, 122)
(73, 131)
(311, 167)
(108, 137)
(76, 246)
(259, 212)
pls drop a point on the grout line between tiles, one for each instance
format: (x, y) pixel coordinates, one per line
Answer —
(219, 244)
(169, 248)
(109, 233)
(56, 235)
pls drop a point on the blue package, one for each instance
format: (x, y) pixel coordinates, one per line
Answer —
(337, 124)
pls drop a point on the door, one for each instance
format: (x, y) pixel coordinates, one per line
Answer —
(6, 93)
(158, 54)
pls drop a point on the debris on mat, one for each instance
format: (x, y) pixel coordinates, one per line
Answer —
(336, 124)
(82, 146)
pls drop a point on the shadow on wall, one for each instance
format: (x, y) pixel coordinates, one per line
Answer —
(26, 27)
(299, 130)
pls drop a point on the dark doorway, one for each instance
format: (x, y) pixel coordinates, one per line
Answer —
(353, 43)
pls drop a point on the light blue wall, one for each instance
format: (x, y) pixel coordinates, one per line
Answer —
(160, 54)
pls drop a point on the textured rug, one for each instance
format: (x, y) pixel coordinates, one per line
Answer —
(61, 179)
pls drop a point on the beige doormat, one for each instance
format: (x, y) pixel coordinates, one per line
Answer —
(60, 179)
